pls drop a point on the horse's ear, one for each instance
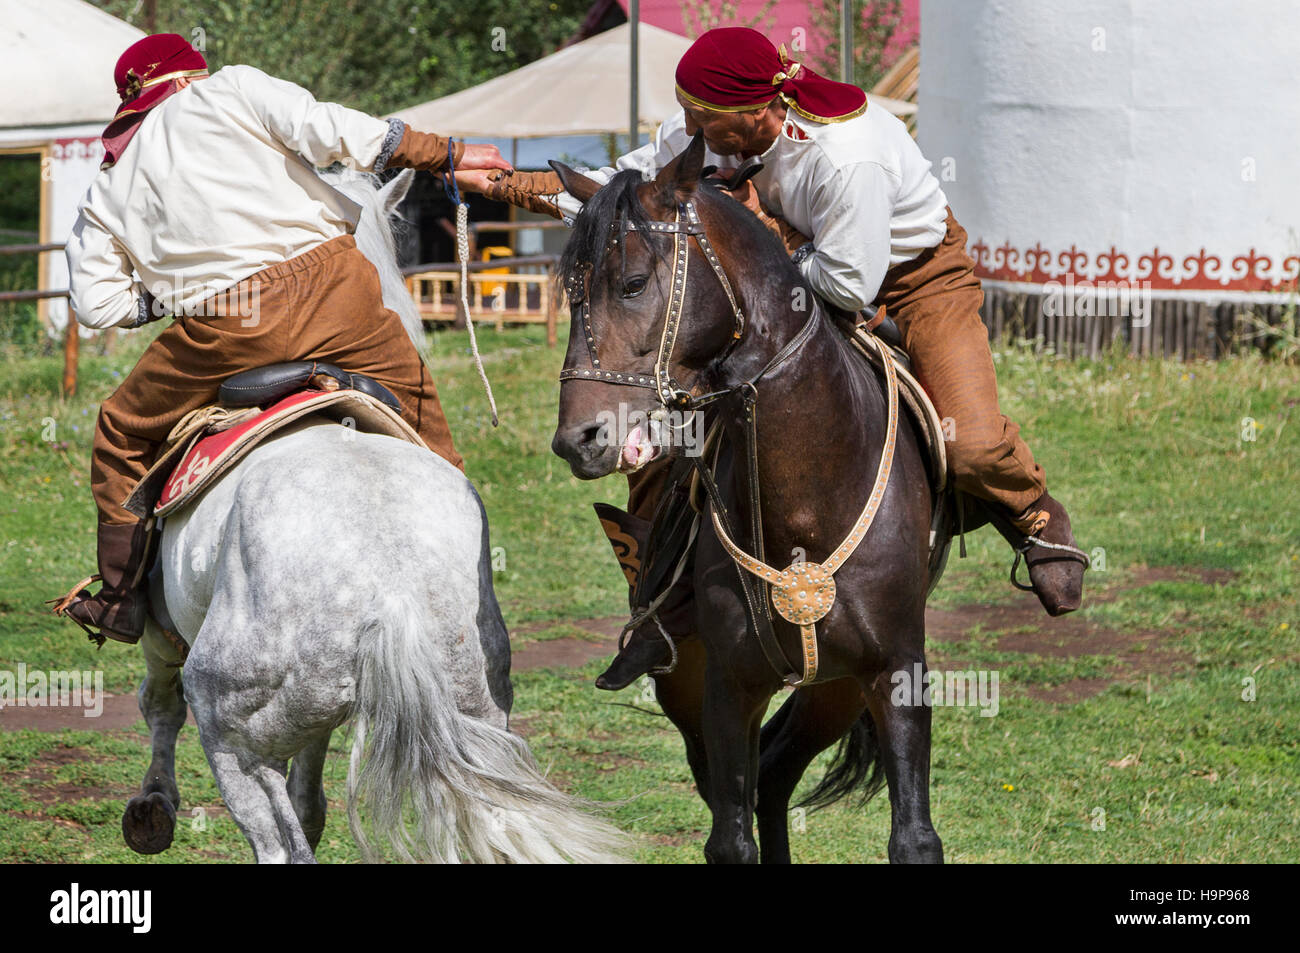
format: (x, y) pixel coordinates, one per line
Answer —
(679, 179)
(575, 183)
(394, 191)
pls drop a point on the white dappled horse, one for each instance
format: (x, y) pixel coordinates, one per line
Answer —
(333, 576)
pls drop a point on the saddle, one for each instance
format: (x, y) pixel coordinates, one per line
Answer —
(253, 406)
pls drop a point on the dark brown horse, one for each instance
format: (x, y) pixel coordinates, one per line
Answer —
(821, 426)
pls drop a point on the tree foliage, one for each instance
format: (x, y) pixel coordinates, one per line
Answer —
(376, 55)
(875, 23)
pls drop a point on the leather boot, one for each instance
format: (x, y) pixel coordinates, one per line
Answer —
(1056, 574)
(118, 611)
(645, 648)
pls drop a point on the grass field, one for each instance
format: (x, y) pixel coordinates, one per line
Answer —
(1123, 733)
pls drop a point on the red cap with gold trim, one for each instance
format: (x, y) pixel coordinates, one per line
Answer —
(732, 69)
(146, 74)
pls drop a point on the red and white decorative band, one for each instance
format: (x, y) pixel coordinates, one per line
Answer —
(1157, 269)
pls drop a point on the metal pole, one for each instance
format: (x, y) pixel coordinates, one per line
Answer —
(846, 40)
(634, 122)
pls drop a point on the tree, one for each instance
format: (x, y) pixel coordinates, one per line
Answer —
(875, 23)
(376, 55)
(699, 16)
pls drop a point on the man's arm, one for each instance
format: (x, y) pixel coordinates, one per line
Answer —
(851, 212)
(325, 133)
(99, 278)
(542, 191)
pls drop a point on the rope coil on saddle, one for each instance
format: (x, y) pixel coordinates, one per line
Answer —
(462, 255)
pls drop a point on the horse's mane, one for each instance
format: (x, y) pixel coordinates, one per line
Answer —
(376, 237)
(590, 238)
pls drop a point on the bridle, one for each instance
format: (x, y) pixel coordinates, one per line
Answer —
(685, 225)
(804, 592)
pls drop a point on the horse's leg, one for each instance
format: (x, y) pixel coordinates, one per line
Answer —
(733, 716)
(306, 792)
(904, 732)
(681, 696)
(149, 821)
(254, 791)
(251, 782)
(810, 721)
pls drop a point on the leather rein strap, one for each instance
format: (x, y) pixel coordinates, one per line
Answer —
(804, 592)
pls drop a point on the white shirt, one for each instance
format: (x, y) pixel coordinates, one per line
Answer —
(217, 184)
(860, 189)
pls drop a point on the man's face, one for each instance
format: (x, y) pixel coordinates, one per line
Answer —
(726, 133)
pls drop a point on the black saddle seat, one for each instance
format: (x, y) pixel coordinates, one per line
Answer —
(266, 385)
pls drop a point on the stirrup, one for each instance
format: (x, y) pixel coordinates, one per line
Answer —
(636, 620)
(61, 608)
(1032, 541)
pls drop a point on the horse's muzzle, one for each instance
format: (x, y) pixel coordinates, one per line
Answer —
(589, 456)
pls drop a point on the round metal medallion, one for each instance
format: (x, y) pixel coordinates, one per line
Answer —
(803, 593)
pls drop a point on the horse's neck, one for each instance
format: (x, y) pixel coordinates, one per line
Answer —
(819, 426)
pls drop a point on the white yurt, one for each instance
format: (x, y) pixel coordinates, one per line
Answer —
(56, 60)
(1122, 168)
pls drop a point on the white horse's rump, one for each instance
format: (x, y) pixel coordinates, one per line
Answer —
(336, 575)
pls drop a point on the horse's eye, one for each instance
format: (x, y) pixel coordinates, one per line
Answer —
(633, 286)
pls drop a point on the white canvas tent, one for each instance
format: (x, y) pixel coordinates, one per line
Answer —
(56, 61)
(582, 89)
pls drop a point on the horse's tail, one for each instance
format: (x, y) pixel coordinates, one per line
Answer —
(856, 766)
(438, 785)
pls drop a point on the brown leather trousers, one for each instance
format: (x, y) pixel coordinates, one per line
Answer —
(324, 305)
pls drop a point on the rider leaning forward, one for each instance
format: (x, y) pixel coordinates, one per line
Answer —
(849, 193)
(209, 194)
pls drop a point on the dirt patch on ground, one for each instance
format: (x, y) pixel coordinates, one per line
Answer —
(1027, 630)
(1021, 627)
(119, 713)
(36, 780)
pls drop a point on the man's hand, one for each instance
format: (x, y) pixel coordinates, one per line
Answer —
(483, 156)
(747, 196)
(790, 236)
(477, 180)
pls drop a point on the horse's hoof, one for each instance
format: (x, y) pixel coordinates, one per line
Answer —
(149, 823)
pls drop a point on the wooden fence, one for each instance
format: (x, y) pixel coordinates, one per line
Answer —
(1175, 327)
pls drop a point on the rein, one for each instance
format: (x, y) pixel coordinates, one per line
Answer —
(803, 593)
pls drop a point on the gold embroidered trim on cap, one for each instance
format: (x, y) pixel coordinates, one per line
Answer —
(815, 118)
(177, 75)
(696, 101)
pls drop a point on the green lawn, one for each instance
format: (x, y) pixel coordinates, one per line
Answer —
(1162, 762)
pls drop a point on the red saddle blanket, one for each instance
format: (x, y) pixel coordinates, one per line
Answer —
(197, 458)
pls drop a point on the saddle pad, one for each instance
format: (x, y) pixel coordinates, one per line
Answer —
(916, 399)
(193, 465)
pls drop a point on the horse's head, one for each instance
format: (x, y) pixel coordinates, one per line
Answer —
(643, 336)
